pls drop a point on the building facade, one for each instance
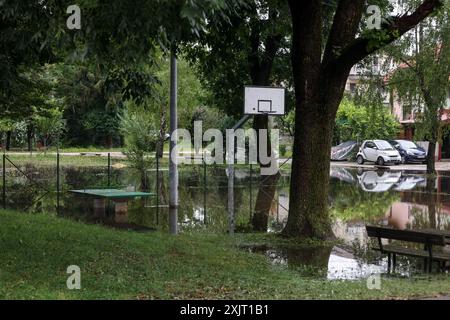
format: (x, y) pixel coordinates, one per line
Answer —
(406, 115)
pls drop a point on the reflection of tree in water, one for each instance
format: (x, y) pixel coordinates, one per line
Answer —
(28, 188)
(316, 257)
(349, 202)
(434, 200)
(305, 259)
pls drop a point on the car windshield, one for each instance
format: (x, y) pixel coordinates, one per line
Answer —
(407, 144)
(383, 145)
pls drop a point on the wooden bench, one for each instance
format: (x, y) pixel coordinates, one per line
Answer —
(428, 239)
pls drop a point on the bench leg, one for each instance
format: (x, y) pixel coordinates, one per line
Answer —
(394, 261)
(389, 263)
(430, 266)
(425, 265)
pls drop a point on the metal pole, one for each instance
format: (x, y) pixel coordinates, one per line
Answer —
(4, 181)
(278, 208)
(173, 170)
(204, 189)
(109, 169)
(231, 198)
(157, 188)
(251, 185)
(57, 183)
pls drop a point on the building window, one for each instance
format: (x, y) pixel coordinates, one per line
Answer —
(407, 112)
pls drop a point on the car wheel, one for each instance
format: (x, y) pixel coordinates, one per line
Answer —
(403, 160)
(360, 160)
(380, 161)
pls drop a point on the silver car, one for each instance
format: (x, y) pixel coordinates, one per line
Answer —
(379, 151)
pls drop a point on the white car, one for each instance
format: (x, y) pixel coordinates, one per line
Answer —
(379, 151)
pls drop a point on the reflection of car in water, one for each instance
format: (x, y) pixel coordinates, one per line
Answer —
(342, 174)
(346, 151)
(409, 183)
(378, 181)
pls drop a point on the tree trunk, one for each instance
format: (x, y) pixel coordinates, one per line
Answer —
(44, 140)
(163, 199)
(162, 134)
(8, 140)
(144, 184)
(29, 138)
(431, 158)
(308, 201)
(431, 195)
(109, 141)
(268, 184)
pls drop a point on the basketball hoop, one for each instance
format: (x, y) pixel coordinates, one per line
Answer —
(264, 100)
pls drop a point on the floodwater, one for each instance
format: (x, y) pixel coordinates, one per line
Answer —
(399, 199)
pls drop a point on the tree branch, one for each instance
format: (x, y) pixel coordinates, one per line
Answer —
(362, 47)
(345, 25)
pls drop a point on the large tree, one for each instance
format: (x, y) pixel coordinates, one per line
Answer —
(321, 65)
(422, 79)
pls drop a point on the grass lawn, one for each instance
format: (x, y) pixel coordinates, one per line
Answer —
(37, 249)
(42, 159)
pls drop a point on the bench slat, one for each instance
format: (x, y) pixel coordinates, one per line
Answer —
(441, 256)
(406, 235)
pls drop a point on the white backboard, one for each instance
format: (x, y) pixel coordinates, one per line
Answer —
(264, 100)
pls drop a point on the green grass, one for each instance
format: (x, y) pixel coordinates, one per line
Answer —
(37, 249)
(88, 149)
(49, 159)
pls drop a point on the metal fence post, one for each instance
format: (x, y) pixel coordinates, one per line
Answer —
(109, 169)
(251, 185)
(4, 181)
(204, 189)
(57, 183)
(157, 189)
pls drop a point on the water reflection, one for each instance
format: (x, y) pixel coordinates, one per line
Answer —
(357, 197)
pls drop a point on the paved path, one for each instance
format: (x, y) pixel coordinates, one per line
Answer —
(440, 166)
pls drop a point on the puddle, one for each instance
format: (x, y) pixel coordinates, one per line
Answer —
(336, 263)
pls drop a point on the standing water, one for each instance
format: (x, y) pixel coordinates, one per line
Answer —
(404, 200)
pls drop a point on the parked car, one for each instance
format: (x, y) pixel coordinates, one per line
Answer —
(346, 151)
(409, 151)
(379, 151)
(378, 181)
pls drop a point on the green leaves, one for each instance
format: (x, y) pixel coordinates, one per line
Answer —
(359, 122)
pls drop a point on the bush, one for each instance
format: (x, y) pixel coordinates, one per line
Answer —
(358, 122)
(141, 135)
